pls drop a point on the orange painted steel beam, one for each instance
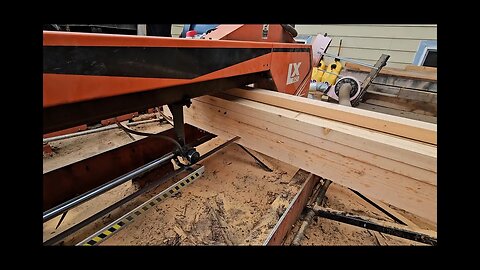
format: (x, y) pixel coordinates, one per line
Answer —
(90, 77)
(61, 87)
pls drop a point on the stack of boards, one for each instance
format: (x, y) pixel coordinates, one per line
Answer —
(385, 157)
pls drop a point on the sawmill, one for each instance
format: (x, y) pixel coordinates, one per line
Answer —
(238, 134)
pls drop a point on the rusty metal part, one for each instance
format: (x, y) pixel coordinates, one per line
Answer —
(423, 236)
(323, 191)
(292, 213)
(47, 149)
(301, 232)
(65, 183)
(310, 213)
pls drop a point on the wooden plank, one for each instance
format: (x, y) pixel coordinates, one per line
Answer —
(420, 68)
(408, 128)
(428, 76)
(291, 214)
(403, 93)
(409, 106)
(406, 193)
(386, 110)
(418, 95)
(416, 160)
(403, 104)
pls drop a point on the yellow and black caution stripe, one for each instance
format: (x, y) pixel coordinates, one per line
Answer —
(128, 218)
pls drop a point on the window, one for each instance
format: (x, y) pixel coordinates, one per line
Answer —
(426, 54)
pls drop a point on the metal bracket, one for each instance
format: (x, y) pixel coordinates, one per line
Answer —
(178, 125)
(177, 112)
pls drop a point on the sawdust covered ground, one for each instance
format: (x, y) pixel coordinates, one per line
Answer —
(235, 202)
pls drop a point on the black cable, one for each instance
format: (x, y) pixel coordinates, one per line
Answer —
(290, 29)
(150, 135)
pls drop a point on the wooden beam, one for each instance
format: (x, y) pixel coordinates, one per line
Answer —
(420, 68)
(297, 132)
(402, 104)
(305, 152)
(408, 73)
(411, 115)
(408, 128)
(415, 160)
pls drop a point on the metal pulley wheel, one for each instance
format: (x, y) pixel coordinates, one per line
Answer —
(354, 83)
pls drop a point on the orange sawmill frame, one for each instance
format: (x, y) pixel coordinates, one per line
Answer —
(83, 67)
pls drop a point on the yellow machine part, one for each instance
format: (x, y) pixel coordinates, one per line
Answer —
(333, 69)
(318, 72)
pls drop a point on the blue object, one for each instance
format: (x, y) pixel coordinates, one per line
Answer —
(423, 47)
(200, 28)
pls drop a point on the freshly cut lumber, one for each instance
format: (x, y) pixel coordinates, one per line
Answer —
(416, 160)
(411, 115)
(420, 68)
(371, 174)
(408, 128)
(395, 102)
(404, 73)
